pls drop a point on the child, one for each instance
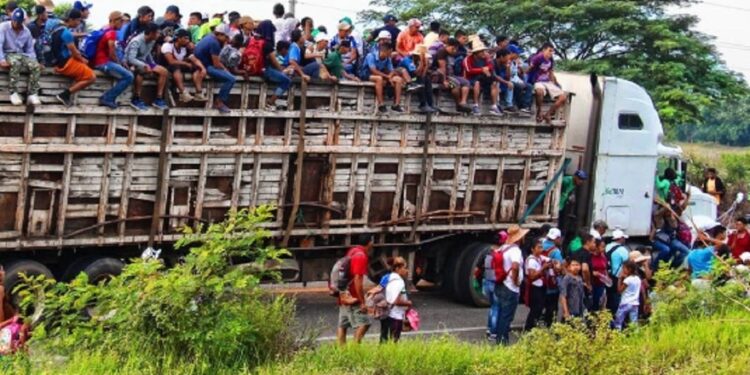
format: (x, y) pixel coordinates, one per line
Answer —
(629, 286)
(503, 77)
(571, 292)
(536, 266)
(275, 73)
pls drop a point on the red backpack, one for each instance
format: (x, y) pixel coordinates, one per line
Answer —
(497, 264)
(252, 59)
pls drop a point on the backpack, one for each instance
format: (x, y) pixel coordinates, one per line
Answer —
(90, 43)
(497, 259)
(56, 47)
(609, 260)
(10, 336)
(376, 302)
(339, 277)
(252, 58)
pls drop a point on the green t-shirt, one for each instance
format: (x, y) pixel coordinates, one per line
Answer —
(568, 185)
(575, 245)
(335, 64)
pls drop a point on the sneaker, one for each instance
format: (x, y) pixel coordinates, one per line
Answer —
(496, 111)
(397, 108)
(108, 104)
(200, 97)
(138, 105)
(281, 103)
(33, 100)
(411, 87)
(475, 110)
(511, 109)
(382, 109)
(426, 109)
(159, 103)
(525, 110)
(16, 99)
(64, 98)
(222, 108)
(185, 97)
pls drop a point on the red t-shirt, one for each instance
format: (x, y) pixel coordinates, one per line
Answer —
(102, 49)
(739, 243)
(598, 264)
(358, 266)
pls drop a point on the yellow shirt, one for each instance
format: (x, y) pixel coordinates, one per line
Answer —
(711, 190)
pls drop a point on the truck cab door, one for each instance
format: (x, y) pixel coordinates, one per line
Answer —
(630, 131)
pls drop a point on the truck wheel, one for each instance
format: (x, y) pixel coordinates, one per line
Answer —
(77, 267)
(468, 287)
(449, 272)
(103, 269)
(13, 275)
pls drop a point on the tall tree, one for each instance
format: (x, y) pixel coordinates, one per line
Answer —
(636, 40)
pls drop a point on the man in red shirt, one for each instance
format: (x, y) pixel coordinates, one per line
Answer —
(107, 62)
(355, 315)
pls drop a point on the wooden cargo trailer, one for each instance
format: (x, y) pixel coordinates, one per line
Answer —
(88, 182)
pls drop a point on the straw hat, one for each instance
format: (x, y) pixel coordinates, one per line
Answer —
(516, 233)
(419, 49)
(638, 257)
(477, 44)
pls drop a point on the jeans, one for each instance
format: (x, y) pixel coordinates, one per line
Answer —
(226, 78)
(551, 301)
(629, 311)
(507, 95)
(675, 250)
(489, 291)
(124, 79)
(522, 94)
(312, 69)
(282, 80)
(537, 296)
(425, 93)
(508, 301)
(613, 298)
(599, 293)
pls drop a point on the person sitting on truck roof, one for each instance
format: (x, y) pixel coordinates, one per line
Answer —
(106, 61)
(139, 57)
(378, 68)
(435, 46)
(389, 26)
(541, 74)
(503, 77)
(17, 53)
(522, 91)
(444, 65)
(304, 68)
(478, 69)
(70, 62)
(208, 51)
(408, 39)
(423, 79)
(179, 61)
(334, 62)
(345, 33)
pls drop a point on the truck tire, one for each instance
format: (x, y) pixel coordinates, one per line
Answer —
(468, 289)
(449, 272)
(77, 267)
(103, 269)
(13, 275)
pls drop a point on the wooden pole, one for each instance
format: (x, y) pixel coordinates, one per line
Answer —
(423, 179)
(298, 165)
(162, 178)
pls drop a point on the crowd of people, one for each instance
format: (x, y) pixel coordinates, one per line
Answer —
(560, 278)
(223, 46)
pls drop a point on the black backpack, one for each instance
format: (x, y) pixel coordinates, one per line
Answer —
(609, 259)
(56, 48)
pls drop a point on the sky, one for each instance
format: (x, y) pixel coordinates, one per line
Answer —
(723, 19)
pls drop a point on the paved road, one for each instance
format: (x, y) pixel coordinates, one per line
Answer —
(439, 315)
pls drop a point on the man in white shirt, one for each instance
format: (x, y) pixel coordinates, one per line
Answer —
(510, 274)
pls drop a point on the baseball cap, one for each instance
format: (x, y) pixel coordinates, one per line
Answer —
(223, 29)
(18, 15)
(384, 34)
(515, 49)
(618, 234)
(82, 5)
(233, 16)
(389, 18)
(181, 33)
(73, 14)
(347, 20)
(344, 26)
(581, 174)
(638, 257)
(321, 37)
(554, 234)
(174, 9)
(414, 22)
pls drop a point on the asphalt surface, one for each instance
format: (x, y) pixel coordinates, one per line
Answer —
(317, 312)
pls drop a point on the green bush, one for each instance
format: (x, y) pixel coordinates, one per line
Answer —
(736, 166)
(203, 313)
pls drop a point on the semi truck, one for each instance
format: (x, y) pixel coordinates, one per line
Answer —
(85, 188)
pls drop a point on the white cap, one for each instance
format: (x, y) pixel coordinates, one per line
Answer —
(384, 34)
(554, 234)
(595, 233)
(744, 257)
(321, 37)
(223, 28)
(618, 234)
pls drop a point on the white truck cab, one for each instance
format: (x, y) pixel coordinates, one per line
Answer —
(615, 133)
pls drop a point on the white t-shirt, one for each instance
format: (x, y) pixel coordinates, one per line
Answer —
(632, 291)
(179, 54)
(395, 288)
(513, 255)
(534, 263)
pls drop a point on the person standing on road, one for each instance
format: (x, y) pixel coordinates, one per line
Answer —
(536, 267)
(552, 249)
(395, 295)
(489, 287)
(355, 315)
(508, 276)
(617, 254)
(713, 185)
